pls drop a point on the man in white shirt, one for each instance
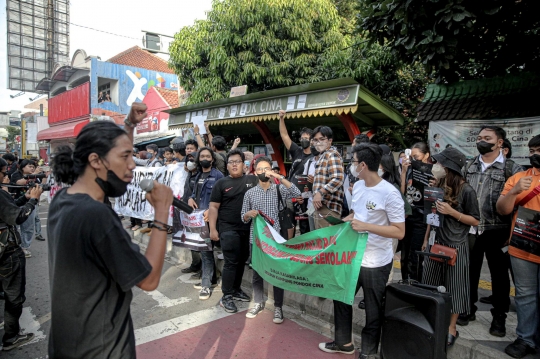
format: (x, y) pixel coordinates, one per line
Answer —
(379, 210)
(433, 217)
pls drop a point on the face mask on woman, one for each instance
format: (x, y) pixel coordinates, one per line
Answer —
(438, 171)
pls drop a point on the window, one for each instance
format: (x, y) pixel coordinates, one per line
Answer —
(104, 92)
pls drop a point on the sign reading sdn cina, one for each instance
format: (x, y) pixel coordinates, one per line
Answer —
(335, 97)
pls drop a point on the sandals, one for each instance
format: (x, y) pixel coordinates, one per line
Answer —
(134, 228)
(451, 339)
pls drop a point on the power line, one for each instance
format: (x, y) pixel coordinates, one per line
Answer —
(105, 32)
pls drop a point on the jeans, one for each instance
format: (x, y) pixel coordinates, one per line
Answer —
(13, 279)
(527, 281)
(415, 230)
(27, 230)
(208, 275)
(373, 282)
(490, 242)
(37, 222)
(311, 223)
(258, 291)
(235, 246)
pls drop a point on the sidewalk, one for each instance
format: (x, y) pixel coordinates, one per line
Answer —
(317, 313)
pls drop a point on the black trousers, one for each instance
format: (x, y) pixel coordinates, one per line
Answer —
(490, 243)
(135, 221)
(303, 224)
(415, 231)
(13, 277)
(235, 247)
(373, 282)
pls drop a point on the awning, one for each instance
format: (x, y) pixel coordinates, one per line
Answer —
(146, 140)
(68, 130)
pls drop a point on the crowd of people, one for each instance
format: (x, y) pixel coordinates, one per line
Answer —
(94, 275)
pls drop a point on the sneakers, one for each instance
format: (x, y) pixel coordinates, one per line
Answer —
(39, 237)
(252, 313)
(199, 285)
(20, 339)
(196, 276)
(241, 296)
(464, 319)
(278, 315)
(486, 300)
(498, 328)
(189, 270)
(204, 293)
(519, 349)
(332, 347)
(27, 253)
(228, 304)
(362, 304)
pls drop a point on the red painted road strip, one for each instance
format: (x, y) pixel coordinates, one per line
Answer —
(241, 338)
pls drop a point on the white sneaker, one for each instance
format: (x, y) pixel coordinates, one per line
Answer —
(252, 313)
(27, 253)
(204, 293)
(2, 325)
(199, 285)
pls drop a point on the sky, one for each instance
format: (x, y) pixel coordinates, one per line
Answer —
(122, 17)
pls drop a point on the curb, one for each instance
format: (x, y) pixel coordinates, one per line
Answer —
(317, 313)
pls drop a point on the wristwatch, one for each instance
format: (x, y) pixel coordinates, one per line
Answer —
(282, 177)
(128, 123)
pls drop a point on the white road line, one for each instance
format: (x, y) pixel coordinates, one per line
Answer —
(29, 324)
(164, 301)
(179, 324)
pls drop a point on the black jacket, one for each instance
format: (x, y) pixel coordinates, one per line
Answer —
(14, 212)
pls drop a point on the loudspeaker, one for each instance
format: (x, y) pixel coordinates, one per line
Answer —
(415, 323)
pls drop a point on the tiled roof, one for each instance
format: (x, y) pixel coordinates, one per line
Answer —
(170, 96)
(137, 57)
(499, 97)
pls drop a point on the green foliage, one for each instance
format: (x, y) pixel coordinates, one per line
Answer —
(260, 43)
(12, 133)
(457, 39)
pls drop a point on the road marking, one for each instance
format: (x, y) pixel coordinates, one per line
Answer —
(179, 324)
(164, 301)
(29, 324)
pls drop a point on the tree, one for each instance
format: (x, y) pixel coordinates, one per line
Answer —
(264, 44)
(457, 39)
(12, 133)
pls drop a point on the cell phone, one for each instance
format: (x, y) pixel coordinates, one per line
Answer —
(408, 152)
(333, 221)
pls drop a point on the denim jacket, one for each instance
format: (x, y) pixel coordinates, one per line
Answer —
(206, 189)
(488, 186)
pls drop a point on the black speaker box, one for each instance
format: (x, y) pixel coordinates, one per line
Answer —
(415, 323)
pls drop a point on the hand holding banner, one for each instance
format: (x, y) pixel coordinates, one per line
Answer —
(324, 263)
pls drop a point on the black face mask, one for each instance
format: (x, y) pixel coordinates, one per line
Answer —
(113, 186)
(305, 144)
(314, 151)
(205, 163)
(148, 155)
(263, 177)
(484, 147)
(535, 160)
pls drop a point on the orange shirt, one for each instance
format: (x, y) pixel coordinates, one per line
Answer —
(533, 204)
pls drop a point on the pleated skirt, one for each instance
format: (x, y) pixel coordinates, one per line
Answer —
(456, 281)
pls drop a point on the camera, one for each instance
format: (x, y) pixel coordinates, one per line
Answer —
(44, 187)
(36, 176)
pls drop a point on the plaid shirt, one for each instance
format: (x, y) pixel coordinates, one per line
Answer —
(330, 175)
(266, 201)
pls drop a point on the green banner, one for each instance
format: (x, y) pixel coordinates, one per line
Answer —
(323, 263)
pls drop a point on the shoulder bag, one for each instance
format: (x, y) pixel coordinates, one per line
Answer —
(284, 217)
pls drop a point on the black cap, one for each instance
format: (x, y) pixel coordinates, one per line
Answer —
(385, 149)
(451, 158)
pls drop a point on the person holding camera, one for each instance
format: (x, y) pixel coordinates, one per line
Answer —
(12, 259)
(26, 167)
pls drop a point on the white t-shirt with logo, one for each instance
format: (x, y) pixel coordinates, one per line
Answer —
(380, 205)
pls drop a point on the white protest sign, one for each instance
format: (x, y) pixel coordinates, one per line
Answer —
(462, 135)
(199, 121)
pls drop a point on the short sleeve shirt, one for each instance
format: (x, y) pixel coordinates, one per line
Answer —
(92, 267)
(533, 204)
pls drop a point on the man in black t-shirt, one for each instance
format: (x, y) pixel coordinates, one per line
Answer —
(225, 213)
(300, 155)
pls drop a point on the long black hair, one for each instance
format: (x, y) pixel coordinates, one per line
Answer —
(97, 137)
(391, 173)
(198, 157)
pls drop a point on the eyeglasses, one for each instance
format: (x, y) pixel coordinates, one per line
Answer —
(318, 141)
(262, 170)
(235, 162)
(355, 161)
